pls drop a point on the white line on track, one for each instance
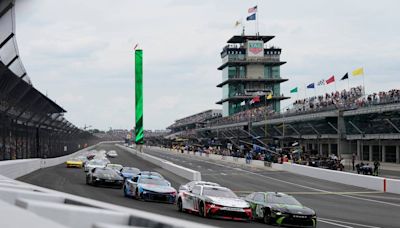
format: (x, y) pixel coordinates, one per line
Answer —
(335, 224)
(210, 170)
(348, 223)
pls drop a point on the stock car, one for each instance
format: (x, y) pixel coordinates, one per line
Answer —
(112, 154)
(214, 201)
(150, 188)
(129, 172)
(74, 162)
(104, 177)
(280, 209)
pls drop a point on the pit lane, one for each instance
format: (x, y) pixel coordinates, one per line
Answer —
(357, 208)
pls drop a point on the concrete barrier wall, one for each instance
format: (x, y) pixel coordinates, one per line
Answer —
(20, 167)
(167, 165)
(363, 181)
(370, 182)
(393, 186)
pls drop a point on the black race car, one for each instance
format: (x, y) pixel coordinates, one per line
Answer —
(281, 209)
(105, 177)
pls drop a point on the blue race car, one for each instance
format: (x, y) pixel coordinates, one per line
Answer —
(150, 188)
(129, 172)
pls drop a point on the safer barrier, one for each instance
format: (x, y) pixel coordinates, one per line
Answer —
(167, 165)
(17, 168)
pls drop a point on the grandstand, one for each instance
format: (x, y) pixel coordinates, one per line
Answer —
(31, 124)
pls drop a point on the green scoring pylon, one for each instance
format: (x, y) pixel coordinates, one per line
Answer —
(139, 96)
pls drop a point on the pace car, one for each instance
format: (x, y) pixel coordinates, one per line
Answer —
(129, 172)
(104, 177)
(74, 162)
(281, 209)
(150, 188)
(214, 201)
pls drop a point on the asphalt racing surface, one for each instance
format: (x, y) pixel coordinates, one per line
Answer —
(336, 205)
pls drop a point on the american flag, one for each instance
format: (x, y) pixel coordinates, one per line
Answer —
(252, 9)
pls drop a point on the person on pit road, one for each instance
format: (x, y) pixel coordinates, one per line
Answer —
(376, 167)
(353, 160)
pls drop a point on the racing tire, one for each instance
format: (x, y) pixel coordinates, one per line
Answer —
(267, 217)
(179, 205)
(137, 196)
(201, 210)
(125, 193)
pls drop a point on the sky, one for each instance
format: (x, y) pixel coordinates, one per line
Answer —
(80, 53)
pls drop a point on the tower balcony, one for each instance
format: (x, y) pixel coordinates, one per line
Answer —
(270, 60)
(247, 80)
(243, 97)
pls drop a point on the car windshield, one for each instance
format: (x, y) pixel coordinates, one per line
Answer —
(153, 181)
(106, 172)
(283, 199)
(115, 166)
(130, 170)
(97, 162)
(219, 192)
(150, 173)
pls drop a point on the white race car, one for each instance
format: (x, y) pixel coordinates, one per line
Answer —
(214, 201)
(112, 154)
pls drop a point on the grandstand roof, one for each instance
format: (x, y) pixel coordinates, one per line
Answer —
(23, 95)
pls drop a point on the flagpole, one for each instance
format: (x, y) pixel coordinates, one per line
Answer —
(348, 83)
(305, 91)
(363, 75)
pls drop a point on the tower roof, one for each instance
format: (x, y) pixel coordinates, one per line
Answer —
(242, 39)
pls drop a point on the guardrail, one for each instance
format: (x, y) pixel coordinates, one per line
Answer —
(370, 182)
(167, 165)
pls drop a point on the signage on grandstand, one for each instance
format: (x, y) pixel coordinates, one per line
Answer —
(255, 48)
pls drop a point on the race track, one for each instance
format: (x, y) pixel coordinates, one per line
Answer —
(336, 205)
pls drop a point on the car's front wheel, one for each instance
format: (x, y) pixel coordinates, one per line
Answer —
(201, 210)
(267, 217)
(179, 205)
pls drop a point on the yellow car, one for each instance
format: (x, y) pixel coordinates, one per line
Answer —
(74, 163)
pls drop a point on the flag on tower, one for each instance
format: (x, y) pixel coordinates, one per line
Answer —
(322, 82)
(252, 9)
(251, 17)
(311, 86)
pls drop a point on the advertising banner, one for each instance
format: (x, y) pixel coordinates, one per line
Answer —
(255, 48)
